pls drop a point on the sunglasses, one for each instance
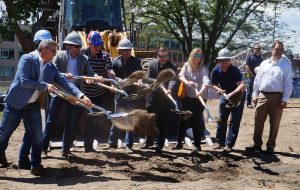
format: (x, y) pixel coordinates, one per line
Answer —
(198, 55)
(163, 56)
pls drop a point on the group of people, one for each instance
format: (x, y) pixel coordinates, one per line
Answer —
(39, 70)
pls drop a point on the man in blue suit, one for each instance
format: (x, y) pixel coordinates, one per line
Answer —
(35, 74)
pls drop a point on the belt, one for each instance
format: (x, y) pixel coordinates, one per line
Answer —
(271, 92)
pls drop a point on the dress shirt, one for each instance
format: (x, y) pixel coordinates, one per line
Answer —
(274, 77)
(36, 93)
(72, 65)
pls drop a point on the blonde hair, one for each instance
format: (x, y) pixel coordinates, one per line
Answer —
(191, 56)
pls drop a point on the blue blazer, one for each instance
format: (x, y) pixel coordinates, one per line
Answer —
(26, 81)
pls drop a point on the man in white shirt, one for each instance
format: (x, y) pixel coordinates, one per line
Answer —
(271, 90)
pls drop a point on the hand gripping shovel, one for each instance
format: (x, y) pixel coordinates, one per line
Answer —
(139, 121)
(163, 76)
(80, 102)
(104, 85)
(209, 117)
(185, 114)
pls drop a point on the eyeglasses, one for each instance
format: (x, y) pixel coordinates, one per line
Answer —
(198, 55)
(278, 49)
(163, 56)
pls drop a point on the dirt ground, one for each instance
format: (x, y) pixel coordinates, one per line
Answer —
(143, 169)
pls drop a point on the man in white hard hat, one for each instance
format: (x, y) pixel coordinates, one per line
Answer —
(124, 65)
(70, 63)
(228, 79)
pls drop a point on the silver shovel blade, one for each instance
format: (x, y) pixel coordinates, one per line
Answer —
(119, 114)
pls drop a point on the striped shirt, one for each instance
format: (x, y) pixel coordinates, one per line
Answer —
(100, 65)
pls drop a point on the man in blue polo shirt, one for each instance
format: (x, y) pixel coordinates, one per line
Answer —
(227, 80)
(252, 62)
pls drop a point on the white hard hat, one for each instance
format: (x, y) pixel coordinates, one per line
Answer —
(224, 54)
(73, 38)
(125, 44)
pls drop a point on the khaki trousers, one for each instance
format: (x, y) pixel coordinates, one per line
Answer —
(267, 104)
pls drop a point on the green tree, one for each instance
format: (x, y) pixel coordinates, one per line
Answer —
(215, 22)
(25, 12)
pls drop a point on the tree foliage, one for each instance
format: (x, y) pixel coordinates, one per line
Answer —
(25, 12)
(217, 23)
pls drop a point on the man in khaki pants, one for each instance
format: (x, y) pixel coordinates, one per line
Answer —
(272, 88)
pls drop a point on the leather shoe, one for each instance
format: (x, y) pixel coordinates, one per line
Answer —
(253, 149)
(178, 147)
(158, 150)
(3, 161)
(89, 150)
(270, 151)
(39, 171)
(66, 154)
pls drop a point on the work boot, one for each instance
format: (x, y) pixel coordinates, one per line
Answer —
(253, 149)
(39, 171)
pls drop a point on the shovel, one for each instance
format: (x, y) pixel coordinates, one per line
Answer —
(104, 85)
(80, 102)
(176, 110)
(163, 76)
(209, 117)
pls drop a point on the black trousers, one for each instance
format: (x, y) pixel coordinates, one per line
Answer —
(196, 121)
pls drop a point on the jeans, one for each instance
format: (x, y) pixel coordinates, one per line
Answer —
(250, 90)
(31, 115)
(234, 125)
(115, 132)
(72, 117)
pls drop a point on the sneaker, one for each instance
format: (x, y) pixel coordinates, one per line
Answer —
(270, 150)
(253, 149)
(38, 171)
(227, 149)
(218, 147)
(178, 146)
(110, 146)
(128, 150)
(3, 161)
(249, 106)
(196, 150)
(145, 146)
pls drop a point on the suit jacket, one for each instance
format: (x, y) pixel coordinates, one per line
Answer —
(26, 81)
(83, 66)
(157, 99)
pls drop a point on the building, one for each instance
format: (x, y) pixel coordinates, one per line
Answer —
(10, 54)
